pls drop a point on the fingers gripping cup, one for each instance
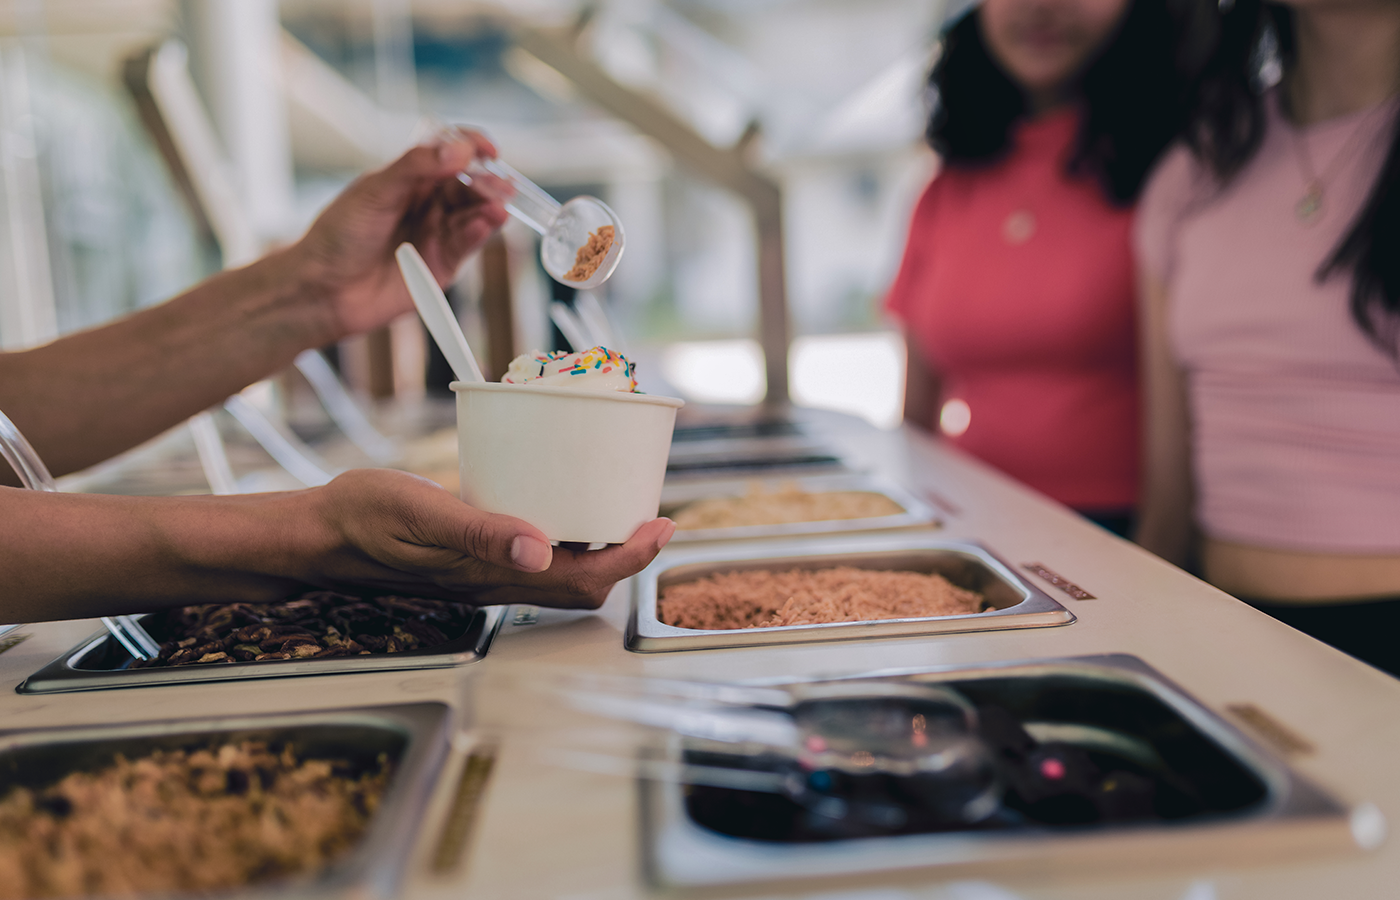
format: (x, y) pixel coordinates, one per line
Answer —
(567, 444)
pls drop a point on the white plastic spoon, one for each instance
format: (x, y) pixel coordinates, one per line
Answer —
(437, 314)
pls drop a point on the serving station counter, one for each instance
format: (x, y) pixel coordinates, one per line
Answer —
(1277, 751)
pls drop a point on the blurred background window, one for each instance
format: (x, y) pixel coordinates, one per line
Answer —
(820, 100)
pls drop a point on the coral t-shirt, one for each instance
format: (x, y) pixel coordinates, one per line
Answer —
(1017, 287)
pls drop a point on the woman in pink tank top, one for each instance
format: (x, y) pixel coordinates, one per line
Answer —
(1269, 268)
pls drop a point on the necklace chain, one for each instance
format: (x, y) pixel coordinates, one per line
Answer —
(1310, 207)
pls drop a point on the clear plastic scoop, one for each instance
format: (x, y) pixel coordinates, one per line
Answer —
(564, 228)
(827, 747)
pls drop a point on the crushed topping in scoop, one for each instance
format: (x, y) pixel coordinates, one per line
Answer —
(590, 255)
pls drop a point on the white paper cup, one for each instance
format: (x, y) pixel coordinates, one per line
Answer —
(578, 465)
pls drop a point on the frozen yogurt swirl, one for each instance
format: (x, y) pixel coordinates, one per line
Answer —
(595, 369)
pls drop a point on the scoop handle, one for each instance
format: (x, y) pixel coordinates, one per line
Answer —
(530, 203)
(436, 314)
(18, 452)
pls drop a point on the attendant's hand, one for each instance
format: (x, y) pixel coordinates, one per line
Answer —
(397, 532)
(347, 256)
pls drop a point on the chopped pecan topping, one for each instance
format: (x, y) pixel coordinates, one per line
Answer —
(316, 625)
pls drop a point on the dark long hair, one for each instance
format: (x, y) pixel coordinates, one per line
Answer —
(1228, 127)
(1135, 93)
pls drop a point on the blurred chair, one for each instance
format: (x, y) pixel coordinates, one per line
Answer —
(497, 307)
(169, 106)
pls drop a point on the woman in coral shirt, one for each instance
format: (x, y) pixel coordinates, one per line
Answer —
(1016, 288)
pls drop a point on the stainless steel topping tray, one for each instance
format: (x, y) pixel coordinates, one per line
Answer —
(784, 445)
(414, 736)
(720, 429)
(100, 663)
(1113, 704)
(1016, 603)
(916, 513)
(745, 458)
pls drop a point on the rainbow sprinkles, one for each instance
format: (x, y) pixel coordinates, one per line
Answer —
(595, 369)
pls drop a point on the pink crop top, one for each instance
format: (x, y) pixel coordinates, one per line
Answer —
(1295, 413)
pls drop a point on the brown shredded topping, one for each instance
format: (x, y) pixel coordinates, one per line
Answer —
(789, 503)
(590, 255)
(764, 599)
(184, 821)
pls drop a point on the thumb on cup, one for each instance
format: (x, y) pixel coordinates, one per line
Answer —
(530, 554)
(497, 539)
